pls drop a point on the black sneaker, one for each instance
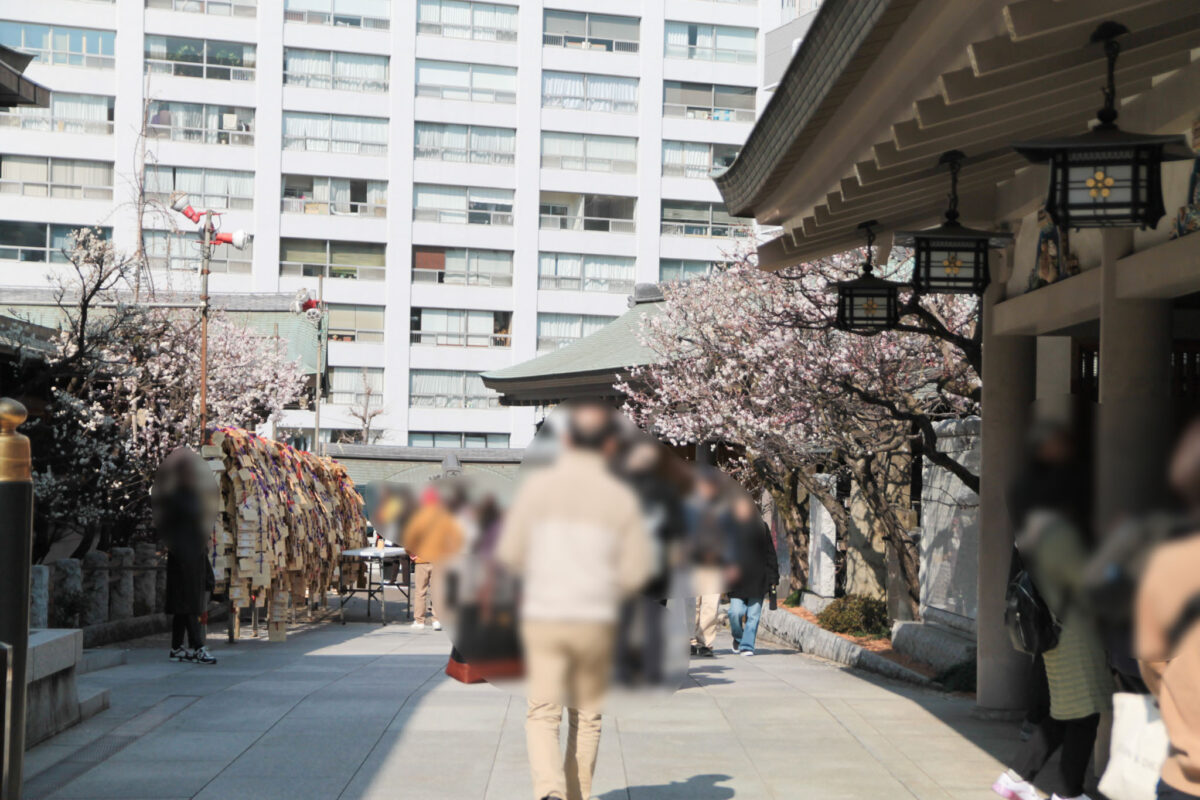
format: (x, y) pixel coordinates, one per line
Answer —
(695, 649)
(704, 652)
(179, 654)
(201, 656)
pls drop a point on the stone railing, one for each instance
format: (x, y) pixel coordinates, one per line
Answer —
(124, 583)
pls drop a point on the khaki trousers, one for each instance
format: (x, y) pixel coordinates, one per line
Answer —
(422, 593)
(706, 583)
(566, 664)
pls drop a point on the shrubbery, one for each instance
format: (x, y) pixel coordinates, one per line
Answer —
(857, 615)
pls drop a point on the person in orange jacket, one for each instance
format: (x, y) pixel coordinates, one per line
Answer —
(432, 535)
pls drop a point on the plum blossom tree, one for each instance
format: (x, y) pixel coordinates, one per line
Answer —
(753, 359)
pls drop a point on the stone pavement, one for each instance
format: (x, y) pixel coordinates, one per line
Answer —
(364, 711)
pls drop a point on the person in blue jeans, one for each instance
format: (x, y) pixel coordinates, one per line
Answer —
(757, 573)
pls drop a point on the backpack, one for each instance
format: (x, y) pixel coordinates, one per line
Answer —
(1032, 627)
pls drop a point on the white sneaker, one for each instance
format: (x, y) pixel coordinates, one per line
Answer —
(179, 654)
(201, 656)
(1014, 789)
(746, 653)
(418, 624)
(437, 626)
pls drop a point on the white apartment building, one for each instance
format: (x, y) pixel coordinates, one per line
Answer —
(477, 182)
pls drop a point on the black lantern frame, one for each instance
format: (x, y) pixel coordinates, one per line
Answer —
(951, 258)
(868, 305)
(1106, 177)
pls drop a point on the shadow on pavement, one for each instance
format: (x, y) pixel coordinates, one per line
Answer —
(697, 787)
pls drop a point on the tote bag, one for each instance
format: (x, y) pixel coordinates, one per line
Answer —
(1138, 749)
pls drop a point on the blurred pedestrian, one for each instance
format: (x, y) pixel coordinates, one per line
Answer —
(758, 572)
(432, 535)
(1167, 634)
(576, 536)
(711, 551)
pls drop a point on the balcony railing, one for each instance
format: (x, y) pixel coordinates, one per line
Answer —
(721, 55)
(214, 201)
(338, 83)
(303, 205)
(23, 253)
(182, 263)
(356, 399)
(460, 339)
(575, 103)
(191, 69)
(463, 155)
(461, 277)
(583, 43)
(339, 20)
(478, 32)
(222, 8)
(320, 144)
(298, 269)
(704, 112)
(467, 93)
(574, 283)
(424, 400)
(708, 230)
(559, 222)
(458, 217)
(28, 122)
(555, 342)
(70, 59)
(49, 189)
(180, 133)
(589, 164)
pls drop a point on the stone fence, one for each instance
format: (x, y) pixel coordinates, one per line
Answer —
(124, 583)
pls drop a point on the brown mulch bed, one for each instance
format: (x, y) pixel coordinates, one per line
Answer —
(880, 645)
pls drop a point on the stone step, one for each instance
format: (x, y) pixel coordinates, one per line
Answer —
(99, 658)
(92, 700)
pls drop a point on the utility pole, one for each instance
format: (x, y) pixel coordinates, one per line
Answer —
(320, 365)
(206, 257)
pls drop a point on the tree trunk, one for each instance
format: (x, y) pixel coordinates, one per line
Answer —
(875, 479)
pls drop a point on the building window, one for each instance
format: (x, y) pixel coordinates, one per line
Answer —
(590, 31)
(589, 152)
(334, 133)
(689, 218)
(462, 204)
(463, 267)
(681, 269)
(199, 58)
(475, 144)
(368, 14)
(55, 44)
(589, 273)
(353, 323)
(478, 82)
(39, 241)
(449, 388)
(180, 251)
(67, 113)
(453, 327)
(39, 176)
(459, 19)
(323, 69)
(206, 188)
(220, 8)
(309, 194)
(355, 386)
(334, 259)
(696, 159)
(579, 92)
(207, 124)
(558, 330)
(708, 101)
(711, 43)
(467, 441)
(587, 212)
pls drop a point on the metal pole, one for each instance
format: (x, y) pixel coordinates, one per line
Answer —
(16, 545)
(206, 253)
(320, 365)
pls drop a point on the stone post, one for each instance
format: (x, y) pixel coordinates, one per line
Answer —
(145, 559)
(120, 585)
(95, 589)
(822, 548)
(66, 579)
(39, 596)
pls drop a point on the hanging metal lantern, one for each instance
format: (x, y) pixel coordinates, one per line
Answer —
(951, 258)
(868, 305)
(1106, 177)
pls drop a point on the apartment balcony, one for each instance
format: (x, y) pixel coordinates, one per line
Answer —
(708, 113)
(189, 69)
(719, 55)
(50, 124)
(337, 19)
(455, 216)
(452, 277)
(590, 44)
(219, 8)
(707, 230)
(460, 339)
(584, 283)
(564, 222)
(303, 205)
(471, 93)
(65, 191)
(480, 33)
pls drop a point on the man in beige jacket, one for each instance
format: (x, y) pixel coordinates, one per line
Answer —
(576, 536)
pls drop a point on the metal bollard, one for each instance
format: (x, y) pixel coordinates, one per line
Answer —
(16, 546)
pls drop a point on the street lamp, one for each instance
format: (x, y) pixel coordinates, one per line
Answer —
(951, 258)
(868, 305)
(314, 311)
(1106, 177)
(237, 239)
